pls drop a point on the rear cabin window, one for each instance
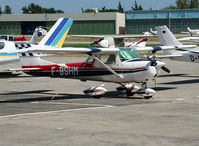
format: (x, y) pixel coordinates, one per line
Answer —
(2, 45)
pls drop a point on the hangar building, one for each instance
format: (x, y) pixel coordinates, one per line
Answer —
(141, 21)
(84, 23)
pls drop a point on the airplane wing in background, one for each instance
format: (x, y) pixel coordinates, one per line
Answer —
(191, 39)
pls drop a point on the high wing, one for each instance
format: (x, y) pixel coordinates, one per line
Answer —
(50, 49)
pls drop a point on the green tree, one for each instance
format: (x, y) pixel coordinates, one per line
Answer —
(7, 10)
(136, 7)
(194, 4)
(59, 11)
(120, 8)
(182, 4)
(34, 8)
(140, 7)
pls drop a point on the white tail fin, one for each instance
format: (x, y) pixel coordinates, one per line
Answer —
(166, 37)
(57, 34)
(38, 32)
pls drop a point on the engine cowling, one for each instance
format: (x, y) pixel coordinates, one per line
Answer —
(95, 91)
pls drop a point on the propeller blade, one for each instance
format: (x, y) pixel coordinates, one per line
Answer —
(92, 43)
(100, 39)
(96, 41)
(165, 69)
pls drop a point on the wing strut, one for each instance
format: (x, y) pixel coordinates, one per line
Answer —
(108, 68)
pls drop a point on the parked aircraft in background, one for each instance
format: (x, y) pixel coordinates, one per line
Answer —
(12, 38)
(110, 41)
(59, 30)
(192, 38)
(151, 33)
(183, 54)
(39, 31)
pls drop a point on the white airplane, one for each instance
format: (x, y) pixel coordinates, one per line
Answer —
(39, 31)
(55, 37)
(122, 66)
(115, 68)
(183, 54)
(151, 33)
(110, 41)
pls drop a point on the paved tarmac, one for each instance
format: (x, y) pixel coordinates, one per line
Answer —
(55, 112)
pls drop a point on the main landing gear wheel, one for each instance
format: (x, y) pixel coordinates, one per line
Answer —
(97, 96)
(148, 97)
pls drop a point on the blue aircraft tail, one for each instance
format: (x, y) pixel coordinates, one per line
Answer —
(57, 34)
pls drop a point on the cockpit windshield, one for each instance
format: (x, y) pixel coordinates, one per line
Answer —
(128, 53)
(2, 44)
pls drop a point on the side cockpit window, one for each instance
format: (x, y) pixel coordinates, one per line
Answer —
(2, 44)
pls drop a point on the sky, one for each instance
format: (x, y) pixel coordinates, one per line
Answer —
(74, 6)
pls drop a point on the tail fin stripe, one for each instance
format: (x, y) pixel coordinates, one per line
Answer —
(56, 32)
(62, 33)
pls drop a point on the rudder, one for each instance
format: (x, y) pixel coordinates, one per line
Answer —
(57, 34)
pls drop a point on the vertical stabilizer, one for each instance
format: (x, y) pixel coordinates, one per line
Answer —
(57, 34)
(166, 37)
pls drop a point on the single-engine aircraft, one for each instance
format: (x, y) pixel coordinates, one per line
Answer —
(121, 65)
(180, 54)
(151, 33)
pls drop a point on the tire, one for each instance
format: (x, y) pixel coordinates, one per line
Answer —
(97, 97)
(147, 97)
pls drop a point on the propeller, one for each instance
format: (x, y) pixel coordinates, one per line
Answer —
(154, 63)
(96, 41)
(165, 69)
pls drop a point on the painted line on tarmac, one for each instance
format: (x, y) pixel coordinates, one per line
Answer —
(180, 99)
(57, 111)
(68, 103)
